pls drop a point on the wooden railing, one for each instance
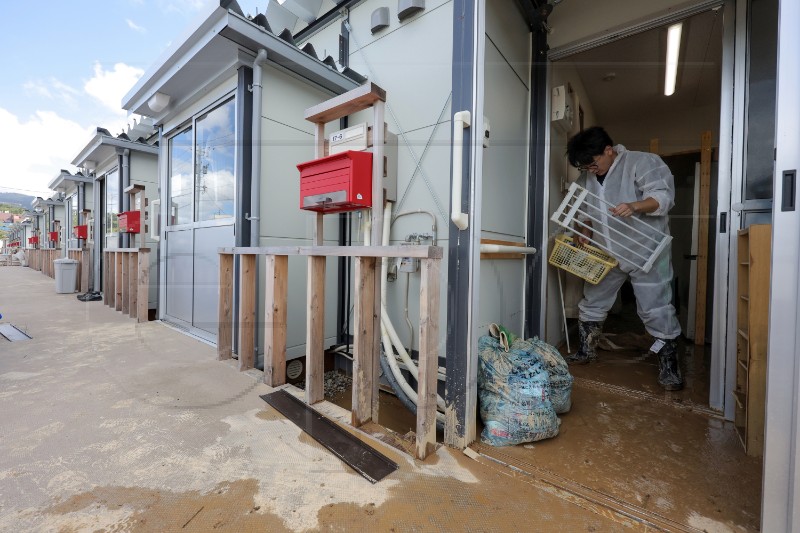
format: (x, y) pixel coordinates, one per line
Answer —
(366, 365)
(42, 259)
(126, 281)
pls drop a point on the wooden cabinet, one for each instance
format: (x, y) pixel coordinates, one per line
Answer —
(752, 322)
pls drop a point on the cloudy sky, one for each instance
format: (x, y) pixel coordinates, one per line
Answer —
(66, 66)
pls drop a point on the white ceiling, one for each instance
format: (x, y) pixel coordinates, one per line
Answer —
(635, 66)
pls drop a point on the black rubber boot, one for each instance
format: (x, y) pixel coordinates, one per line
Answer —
(669, 372)
(589, 335)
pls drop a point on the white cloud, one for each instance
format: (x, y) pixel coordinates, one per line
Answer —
(135, 27)
(109, 86)
(53, 89)
(33, 151)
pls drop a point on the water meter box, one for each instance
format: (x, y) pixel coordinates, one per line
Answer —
(129, 222)
(336, 183)
(81, 232)
(52, 236)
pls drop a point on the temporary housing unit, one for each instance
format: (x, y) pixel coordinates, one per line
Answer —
(229, 98)
(482, 97)
(121, 167)
(77, 190)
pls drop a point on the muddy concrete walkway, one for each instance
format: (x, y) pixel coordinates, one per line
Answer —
(109, 425)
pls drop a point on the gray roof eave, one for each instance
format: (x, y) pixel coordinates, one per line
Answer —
(234, 27)
(59, 180)
(100, 140)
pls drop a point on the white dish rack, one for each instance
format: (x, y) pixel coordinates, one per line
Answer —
(574, 209)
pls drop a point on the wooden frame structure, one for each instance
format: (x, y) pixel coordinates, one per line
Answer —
(126, 281)
(366, 364)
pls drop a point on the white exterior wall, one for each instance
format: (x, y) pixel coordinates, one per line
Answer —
(412, 62)
(143, 169)
(286, 140)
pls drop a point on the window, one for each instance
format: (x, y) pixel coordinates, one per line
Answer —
(214, 178)
(201, 162)
(112, 209)
(180, 178)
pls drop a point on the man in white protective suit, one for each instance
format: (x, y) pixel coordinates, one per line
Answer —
(640, 185)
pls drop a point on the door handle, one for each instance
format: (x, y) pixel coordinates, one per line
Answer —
(461, 120)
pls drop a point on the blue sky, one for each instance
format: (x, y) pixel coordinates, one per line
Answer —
(66, 66)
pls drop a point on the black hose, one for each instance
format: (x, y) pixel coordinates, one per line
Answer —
(398, 390)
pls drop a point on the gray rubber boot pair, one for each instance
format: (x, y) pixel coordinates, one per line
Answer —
(669, 372)
(589, 335)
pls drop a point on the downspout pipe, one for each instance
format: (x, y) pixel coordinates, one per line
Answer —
(81, 207)
(97, 212)
(126, 199)
(255, 174)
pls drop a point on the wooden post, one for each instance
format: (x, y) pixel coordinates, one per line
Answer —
(143, 290)
(702, 239)
(106, 292)
(363, 337)
(86, 265)
(654, 146)
(125, 259)
(276, 274)
(225, 331)
(133, 284)
(315, 335)
(247, 311)
(118, 281)
(428, 357)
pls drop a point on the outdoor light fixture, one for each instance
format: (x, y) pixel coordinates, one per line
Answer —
(158, 102)
(673, 52)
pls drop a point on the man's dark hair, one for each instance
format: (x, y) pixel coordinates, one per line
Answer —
(584, 146)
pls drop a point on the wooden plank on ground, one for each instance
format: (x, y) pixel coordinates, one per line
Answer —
(247, 312)
(225, 328)
(363, 337)
(276, 274)
(315, 334)
(428, 357)
(702, 239)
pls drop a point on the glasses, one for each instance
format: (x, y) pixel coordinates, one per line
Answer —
(591, 166)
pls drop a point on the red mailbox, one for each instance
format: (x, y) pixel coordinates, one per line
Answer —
(339, 182)
(129, 222)
(33, 240)
(81, 232)
(52, 236)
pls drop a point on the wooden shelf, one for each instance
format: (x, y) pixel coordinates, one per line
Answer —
(752, 321)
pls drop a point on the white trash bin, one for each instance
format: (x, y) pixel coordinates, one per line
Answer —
(66, 275)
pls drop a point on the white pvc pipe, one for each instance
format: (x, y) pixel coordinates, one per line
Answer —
(461, 120)
(504, 249)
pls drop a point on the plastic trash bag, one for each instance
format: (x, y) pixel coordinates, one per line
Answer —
(514, 395)
(558, 369)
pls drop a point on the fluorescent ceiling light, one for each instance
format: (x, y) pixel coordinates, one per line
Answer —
(673, 52)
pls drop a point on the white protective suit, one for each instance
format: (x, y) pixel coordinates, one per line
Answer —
(632, 177)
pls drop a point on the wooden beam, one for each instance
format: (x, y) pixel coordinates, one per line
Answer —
(225, 331)
(345, 104)
(143, 288)
(118, 280)
(133, 285)
(315, 335)
(419, 252)
(428, 357)
(702, 239)
(276, 274)
(247, 311)
(125, 289)
(363, 340)
(654, 146)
